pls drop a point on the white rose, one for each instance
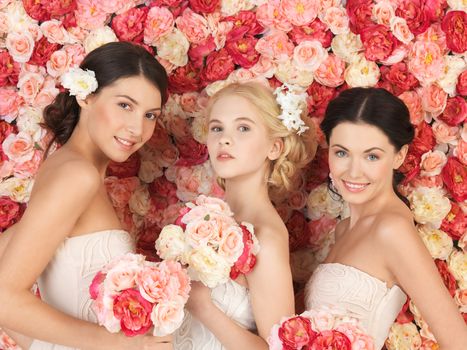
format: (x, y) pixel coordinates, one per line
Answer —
(167, 316)
(362, 73)
(457, 264)
(288, 73)
(28, 120)
(232, 7)
(99, 37)
(429, 205)
(403, 336)
(173, 47)
(79, 82)
(453, 67)
(458, 5)
(438, 242)
(170, 244)
(17, 189)
(346, 46)
(208, 267)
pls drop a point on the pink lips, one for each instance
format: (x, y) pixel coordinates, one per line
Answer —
(224, 156)
(354, 187)
(125, 143)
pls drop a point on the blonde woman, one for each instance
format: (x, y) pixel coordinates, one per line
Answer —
(253, 153)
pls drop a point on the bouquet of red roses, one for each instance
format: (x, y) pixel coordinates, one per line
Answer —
(319, 330)
(209, 241)
(133, 295)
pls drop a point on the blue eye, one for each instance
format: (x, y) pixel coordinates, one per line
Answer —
(340, 154)
(372, 157)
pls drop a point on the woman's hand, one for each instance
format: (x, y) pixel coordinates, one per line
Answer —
(145, 342)
(200, 299)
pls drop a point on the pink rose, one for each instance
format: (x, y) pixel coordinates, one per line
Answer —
(19, 148)
(270, 16)
(58, 63)
(58, 8)
(461, 151)
(399, 77)
(159, 22)
(432, 162)
(433, 99)
(29, 168)
(193, 25)
(299, 12)
(415, 14)
(378, 42)
(401, 30)
(95, 287)
(331, 340)
(133, 311)
(54, 32)
(383, 12)
(47, 94)
(455, 26)
(275, 46)
(43, 49)
(218, 66)
(29, 86)
(331, 71)
(167, 317)
(247, 259)
(89, 14)
(152, 282)
(296, 333)
(435, 9)
(120, 278)
(127, 168)
(461, 86)
(189, 102)
(425, 61)
(414, 103)
(336, 19)
(129, 25)
(309, 55)
(316, 30)
(455, 112)
(445, 133)
(36, 10)
(231, 243)
(435, 34)
(120, 190)
(20, 46)
(9, 69)
(112, 6)
(179, 279)
(360, 14)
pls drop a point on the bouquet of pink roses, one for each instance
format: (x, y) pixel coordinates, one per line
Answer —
(319, 330)
(207, 238)
(132, 295)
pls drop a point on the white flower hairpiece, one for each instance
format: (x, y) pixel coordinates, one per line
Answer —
(292, 100)
(79, 82)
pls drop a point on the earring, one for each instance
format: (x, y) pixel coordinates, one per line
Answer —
(332, 186)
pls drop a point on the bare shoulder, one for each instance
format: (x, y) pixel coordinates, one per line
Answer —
(394, 229)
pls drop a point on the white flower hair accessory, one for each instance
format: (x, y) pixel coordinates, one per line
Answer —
(292, 100)
(79, 82)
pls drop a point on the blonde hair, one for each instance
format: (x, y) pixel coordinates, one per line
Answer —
(298, 150)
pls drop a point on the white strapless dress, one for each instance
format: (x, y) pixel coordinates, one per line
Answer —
(357, 293)
(64, 284)
(234, 300)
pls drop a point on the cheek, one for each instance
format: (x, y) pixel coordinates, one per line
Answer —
(337, 166)
(148, 129)
(380, 171)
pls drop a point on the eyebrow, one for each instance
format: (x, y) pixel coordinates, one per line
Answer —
(366, 151)
(236, 119)
(136, 102)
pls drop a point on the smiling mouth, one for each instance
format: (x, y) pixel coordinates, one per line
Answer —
(354, 187)
(125, 143)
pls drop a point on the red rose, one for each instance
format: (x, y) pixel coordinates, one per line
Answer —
(204, 6)
(219, 65)
(424, 140)
(69, 20)
(184, 79)
(58, 8)
(318, 170)
(455, 111)
(247, 260)
(246, 23)
(167, 3)
(399, 77)
(454, 175)
(133, 311)
(316, 30)
(191, 152)
(128, 168)
(6, 129)
(448, 278)
(415, 15)
(243, 51)
(296, 333)
(145, 243)
(162, 187)
(405, 316)
(455, 26)
(129, 26)
(95, 284)
(461, 86)
(318, 98)
(43, 49)
(331, 340)
(411, 166)
(455, 223)
(360, 13)
(36, 10)
(378, 42)
(9, 69)
(435, 9)
(299, 232)
(10, 212)
(198, 52)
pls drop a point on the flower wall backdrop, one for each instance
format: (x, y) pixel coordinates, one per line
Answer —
(414, 48)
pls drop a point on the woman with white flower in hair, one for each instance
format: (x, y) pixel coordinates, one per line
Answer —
(70, 229)
(378, 258)
(256, 149)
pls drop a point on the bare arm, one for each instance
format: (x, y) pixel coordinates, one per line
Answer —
(271, 294)
(414, 269)
(54, 208)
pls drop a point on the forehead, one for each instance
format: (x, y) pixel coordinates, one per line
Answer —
(233, 106)
(358, 136)
(138, 88)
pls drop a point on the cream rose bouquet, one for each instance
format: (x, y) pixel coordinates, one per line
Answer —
(133, 295)
(210, 242)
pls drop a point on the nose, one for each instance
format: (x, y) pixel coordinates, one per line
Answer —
(354, 168)
(225, 139)
(135, 126)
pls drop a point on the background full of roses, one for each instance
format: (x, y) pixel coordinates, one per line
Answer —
(414, 48)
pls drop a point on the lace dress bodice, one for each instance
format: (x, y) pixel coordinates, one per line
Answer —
(64, 284)
(234, 300)
(358, 294)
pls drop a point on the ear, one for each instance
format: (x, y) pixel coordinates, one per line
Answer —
(86, 102)
(400, 156)
(276, 149)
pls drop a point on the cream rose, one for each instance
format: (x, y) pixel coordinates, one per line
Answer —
(438, 242)
(457, 264)
(208, 267)
(173, 47)
(170, 244)
(139, 201)
(346, 46)
(429, 205)
(99, 37)
(362, 73)
(403, 336)
(320, 202)
(167, 316)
